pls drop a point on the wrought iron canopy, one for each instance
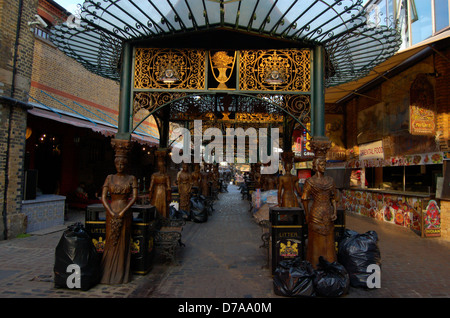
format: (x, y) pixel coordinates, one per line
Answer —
(353, 47)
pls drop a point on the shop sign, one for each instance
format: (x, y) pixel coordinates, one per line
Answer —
(408, 160)
(373, 150)
(422, 121)
(301, 146)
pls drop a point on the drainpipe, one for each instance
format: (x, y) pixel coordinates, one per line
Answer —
(13, 89)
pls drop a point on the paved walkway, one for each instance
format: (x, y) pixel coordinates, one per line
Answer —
(222, 259)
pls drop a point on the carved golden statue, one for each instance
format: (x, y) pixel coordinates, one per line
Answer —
(184, 188)
(320, 215)
(215, 174)
(160, 188)
(196, 176)
(123, 189)
(255, 174)
(288, 184)
(205, 180)
(268, 181)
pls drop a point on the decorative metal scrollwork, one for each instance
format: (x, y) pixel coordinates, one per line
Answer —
(151, 101)
(154, 66)
(275, 70)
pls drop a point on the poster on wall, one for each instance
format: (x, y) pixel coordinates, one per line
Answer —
(432, 220)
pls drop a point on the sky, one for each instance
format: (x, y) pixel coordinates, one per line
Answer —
(69, 5)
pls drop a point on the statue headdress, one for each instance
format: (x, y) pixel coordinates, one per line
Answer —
(121, 147)
(320, 146)
(287, 156)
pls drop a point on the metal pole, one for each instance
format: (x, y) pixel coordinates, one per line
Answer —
(318, 102)
(124, 131)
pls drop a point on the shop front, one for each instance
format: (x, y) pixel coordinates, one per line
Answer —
(402, 190)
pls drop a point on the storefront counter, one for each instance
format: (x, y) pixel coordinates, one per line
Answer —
(418, 211)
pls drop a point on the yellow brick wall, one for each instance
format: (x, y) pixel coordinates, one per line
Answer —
(52, 68)
(66, 80)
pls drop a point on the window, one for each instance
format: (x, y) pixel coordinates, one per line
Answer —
(421, 24)
(441, 15)
(427, 18)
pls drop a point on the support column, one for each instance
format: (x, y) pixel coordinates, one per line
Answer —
(124, 131)
(318, 93)
(164, 129)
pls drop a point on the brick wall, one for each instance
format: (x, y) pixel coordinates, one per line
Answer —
(67, 81)
(13, 113)
(63, 78)
(442, 65)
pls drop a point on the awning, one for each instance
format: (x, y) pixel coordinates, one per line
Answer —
(336, 93)
(95, 125)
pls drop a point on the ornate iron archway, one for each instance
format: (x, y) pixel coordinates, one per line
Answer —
(253, 86)
(144, 45)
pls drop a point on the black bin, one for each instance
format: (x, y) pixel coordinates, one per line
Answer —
(288, 237)
(142, 234)
(339, 227)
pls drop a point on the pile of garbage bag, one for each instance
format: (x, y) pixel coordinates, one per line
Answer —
(200, 209)
(294, 278)
(77, 264)
(356, 252)
(298, 278)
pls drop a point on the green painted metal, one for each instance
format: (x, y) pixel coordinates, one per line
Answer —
(318, 100)
(125, 119)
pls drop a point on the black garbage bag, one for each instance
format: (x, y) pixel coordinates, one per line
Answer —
(356, 252)
(331, 279)
(185, 215)
(199, 213)
(173, 212)
(76, 250)
(199, 216)
(197, 203)
(294, 278)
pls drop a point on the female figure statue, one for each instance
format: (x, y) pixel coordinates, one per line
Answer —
(205, 180)
(288, 184)
(321, 214)
(184, 188)
(215, 177)
(123, 190)
(196, 177)
(160, 189)
(257, 177)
